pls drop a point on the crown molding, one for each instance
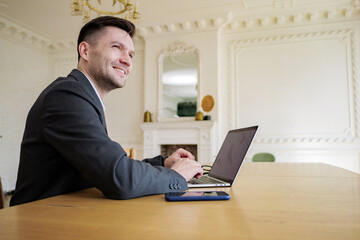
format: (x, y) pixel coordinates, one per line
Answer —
(225, 22)
(241, 21)
(293, 19)
(186, 26)
(18, 32)
(62, 45)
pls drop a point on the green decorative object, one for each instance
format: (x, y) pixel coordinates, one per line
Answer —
(186, 109)
(263, 157)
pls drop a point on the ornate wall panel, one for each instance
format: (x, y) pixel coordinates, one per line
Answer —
(310, 92)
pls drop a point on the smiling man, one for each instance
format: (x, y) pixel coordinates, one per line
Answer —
(66, 147)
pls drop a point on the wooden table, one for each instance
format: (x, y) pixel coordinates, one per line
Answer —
(268, 201)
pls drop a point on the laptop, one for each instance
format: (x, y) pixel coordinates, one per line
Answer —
(229, 159)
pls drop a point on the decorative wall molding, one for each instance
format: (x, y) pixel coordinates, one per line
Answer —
(179, 47)
(300, 18)
(18, 32)
(346, 37)
(239, 21)
(226, 23)
(63, 45)
(177, 125)
(187, 26)
(307, 140)
(355, 64)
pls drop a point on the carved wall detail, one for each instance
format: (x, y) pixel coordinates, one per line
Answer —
(205, 24)
(20, 33)
(355, 79)
(302, 18)
(348, 38)
(179, 47)
(235, 21)
(226, 23)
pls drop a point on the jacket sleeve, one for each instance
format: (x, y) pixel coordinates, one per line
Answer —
(157, 161)
(72, 125)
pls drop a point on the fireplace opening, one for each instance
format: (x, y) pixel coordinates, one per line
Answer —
(168, 149)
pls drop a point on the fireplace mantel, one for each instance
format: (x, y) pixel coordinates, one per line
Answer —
(201, 133)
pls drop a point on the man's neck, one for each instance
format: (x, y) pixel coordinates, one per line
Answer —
(96, 88)
(102, 93)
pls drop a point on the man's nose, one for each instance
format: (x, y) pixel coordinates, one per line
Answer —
(125, 59)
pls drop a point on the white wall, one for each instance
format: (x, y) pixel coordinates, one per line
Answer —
(25, 71)
(290, 67)
(299, 86)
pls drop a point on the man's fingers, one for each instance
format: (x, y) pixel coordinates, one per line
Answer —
(188, 168)
(185, 154)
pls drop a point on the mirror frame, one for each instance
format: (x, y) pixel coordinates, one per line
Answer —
(176, 48)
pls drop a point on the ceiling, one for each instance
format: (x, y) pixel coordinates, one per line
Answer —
(52, 18)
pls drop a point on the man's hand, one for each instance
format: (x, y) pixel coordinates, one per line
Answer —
(177, 155)
(184, 163)
(188, 168)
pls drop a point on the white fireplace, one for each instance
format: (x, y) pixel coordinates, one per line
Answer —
(200, 133)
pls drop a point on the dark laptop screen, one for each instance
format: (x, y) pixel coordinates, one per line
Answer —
(232, 153)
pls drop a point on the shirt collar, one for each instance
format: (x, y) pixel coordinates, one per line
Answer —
(92, 84)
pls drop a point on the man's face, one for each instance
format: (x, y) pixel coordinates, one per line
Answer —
(110, 58)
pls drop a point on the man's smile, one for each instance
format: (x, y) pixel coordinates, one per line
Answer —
(121, 70)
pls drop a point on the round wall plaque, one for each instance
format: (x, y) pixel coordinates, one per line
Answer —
(207, 103)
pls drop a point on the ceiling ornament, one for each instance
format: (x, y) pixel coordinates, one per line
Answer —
(127, 9)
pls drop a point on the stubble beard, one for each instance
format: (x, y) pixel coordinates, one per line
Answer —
(104, 79)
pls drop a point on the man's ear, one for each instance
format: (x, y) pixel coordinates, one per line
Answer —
(84, 50)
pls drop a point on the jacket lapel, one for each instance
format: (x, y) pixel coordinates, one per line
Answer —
(93, 96)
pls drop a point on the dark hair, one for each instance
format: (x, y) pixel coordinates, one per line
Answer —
(97, 25)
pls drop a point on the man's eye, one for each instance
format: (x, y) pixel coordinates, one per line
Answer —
(116, 46)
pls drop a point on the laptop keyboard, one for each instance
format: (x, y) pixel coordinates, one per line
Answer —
(204, 180)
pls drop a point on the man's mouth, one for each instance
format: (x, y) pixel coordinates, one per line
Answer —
(120, 70)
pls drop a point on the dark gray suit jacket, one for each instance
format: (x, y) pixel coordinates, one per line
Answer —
(66, 148)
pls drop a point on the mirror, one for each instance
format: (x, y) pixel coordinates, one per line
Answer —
(178, 83)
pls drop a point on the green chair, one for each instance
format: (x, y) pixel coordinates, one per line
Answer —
(263, 157)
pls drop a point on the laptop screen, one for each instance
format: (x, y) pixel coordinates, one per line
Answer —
(232, 153)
